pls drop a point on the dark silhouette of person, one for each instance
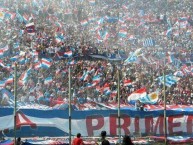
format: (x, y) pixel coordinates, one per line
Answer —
(127, 140)
(19, 142)
(104, 141)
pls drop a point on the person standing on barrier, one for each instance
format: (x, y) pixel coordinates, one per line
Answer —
(78, 140)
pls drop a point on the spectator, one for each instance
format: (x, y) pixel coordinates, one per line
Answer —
(78, 140)
(127, 140)
(104, 141)
(19, 142)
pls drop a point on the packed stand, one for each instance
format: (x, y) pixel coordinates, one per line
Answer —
(97, 40)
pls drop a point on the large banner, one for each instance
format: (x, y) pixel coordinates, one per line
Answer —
(31, 122)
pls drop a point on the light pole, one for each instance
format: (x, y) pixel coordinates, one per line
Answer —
(165, 116)
(15, 102)
(119, 109)
(69, 107)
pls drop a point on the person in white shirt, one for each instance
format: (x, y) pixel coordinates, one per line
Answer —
(31, 97)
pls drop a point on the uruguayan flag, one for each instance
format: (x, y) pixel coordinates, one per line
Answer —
(148, 42)
(169, 80)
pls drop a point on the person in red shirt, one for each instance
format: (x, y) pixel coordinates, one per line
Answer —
(78, 140)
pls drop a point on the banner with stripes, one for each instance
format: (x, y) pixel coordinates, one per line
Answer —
(149, 42)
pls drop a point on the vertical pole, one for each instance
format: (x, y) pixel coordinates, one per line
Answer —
(165, 116)
(15, 102)
(69, 83)
(119, 112)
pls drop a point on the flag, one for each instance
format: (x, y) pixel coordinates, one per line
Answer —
(133, 97)
(183, 22)
(179, 74)
(38, 65)
(22, 60)
(84, 22)
(169, 80)
(46, 63)
(23, 78)
(96, 79)
(133, 56)
(191, 69)
(141, 13)
(29, 69)
(25, 18)
(123, 33)
(90, 85)
(72, 62)
(170, 58)
(7, 142)
(9, 80)
(106, 89)
(58, 71)
(186, 70)
(68, 54)
(149, 42)
(34, 53)
(91, 19)
(14, 58)
(19, 17)
(151, 98)
(169, 32)
(2, 84)
(48, 80)
(3, 50)
(100, 21)
(177, 63)
(40, 95)
(121, 21)
(131, 37)
(114, 93)
(91, 2)
(5, 67)
(102, 35)
(30, 28)
(127, 83)
(84, 77)
(1, 53)
(10, 15)
(59, 38)
(2, 14)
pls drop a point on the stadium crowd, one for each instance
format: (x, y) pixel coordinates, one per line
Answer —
(44, 38)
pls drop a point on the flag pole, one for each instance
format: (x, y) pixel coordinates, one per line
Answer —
(119, 112)
(15, 102)
(70, 111)
(165, 117)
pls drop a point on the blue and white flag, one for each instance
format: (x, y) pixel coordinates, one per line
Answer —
(169, 80)
(133, 56)
(169, 32)
(141, 13)
(48, 80)
(149, 42)
(151, 98)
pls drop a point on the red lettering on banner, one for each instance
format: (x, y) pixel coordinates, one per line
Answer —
(136, 124)
(149, 124)
(160, 124)
(89, 123)
(22, 120)
(171, 124)
(114, 123)
(189, 124)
